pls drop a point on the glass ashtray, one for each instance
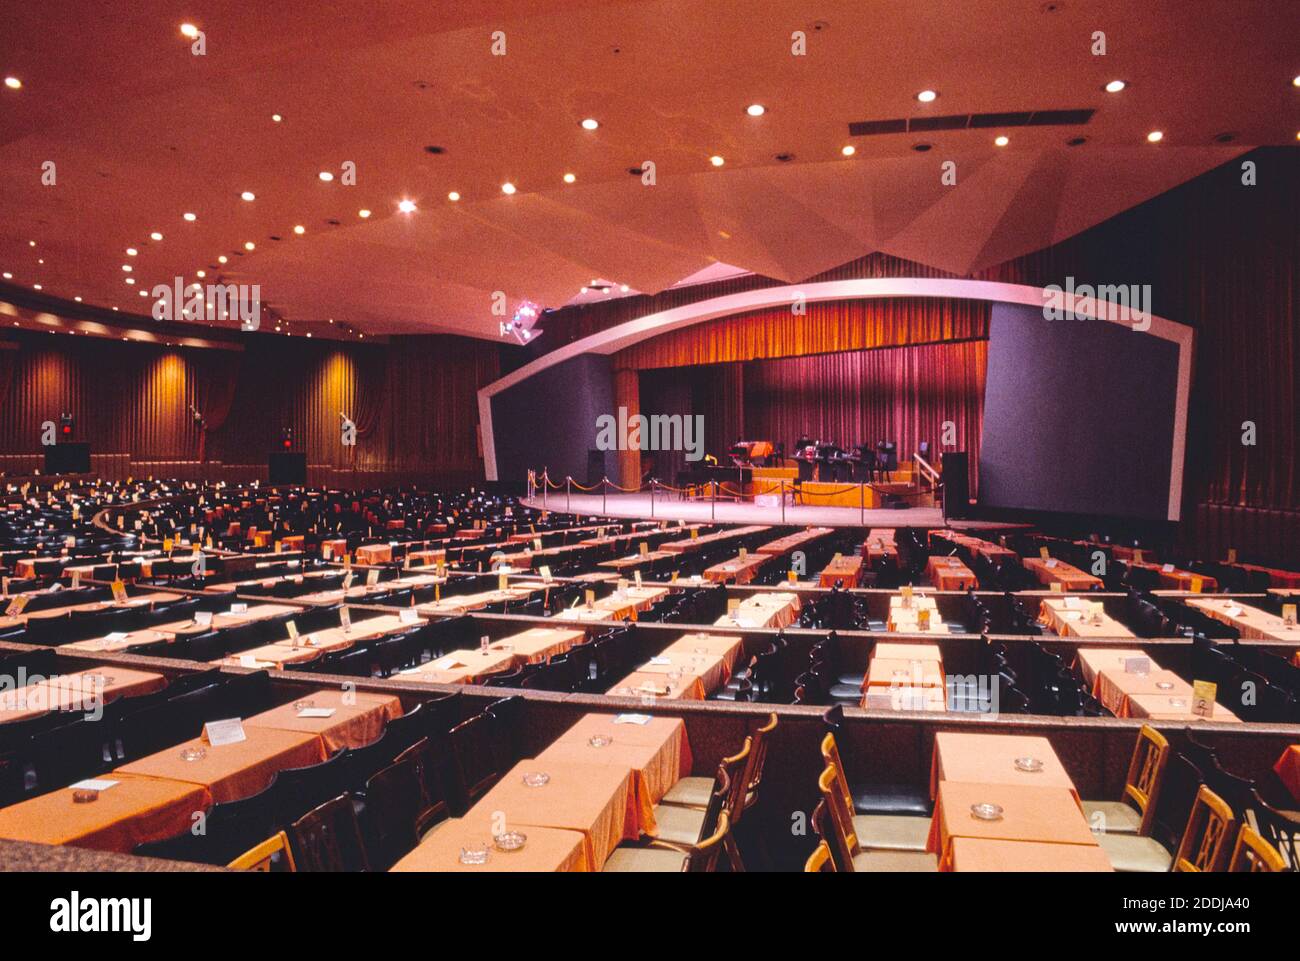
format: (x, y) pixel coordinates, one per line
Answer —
(474, 855)
(303, 705)
(510, 841)
(1030, 764)
(84, 796)
(194, 754)
(986, 811)
(600, 740)
(1165, 685)
(1177, 702)
(536, 779)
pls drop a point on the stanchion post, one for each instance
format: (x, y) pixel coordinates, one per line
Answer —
(604, 494)
(546, 485)
(653, 484)
(568, 494)
(713, 500)
(862, 504)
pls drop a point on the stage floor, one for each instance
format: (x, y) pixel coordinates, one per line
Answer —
(638, 505)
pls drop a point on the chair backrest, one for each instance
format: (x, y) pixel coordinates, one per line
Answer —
(703, 857)
(1207, 840)
(394, 803)
(430, 766)
(1253, 854)
(820, 861)
(733, 770)
(753, 776)
(328, 838)
(833, 823)
(475, 767)
(272, 855)
(831, 755)
(1145, 773)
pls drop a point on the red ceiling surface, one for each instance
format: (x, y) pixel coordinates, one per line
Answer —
(141, 130)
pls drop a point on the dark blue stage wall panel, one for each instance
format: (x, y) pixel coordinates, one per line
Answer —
(549, 420)
(1078, 416)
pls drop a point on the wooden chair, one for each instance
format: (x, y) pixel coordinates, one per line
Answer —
(820, 861)
(394, 802)
(694, 792)
(836, 823)
(1133, 812)
(328, 838)
(429, 768)
(875, 832)
(698, 854)
(264, 858)
(1253, 854)
(684, 825)
(1207, 841)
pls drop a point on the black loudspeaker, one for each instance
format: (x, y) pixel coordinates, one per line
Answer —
(956, 484)
(67, 459)
(287, 468)
(595, 466)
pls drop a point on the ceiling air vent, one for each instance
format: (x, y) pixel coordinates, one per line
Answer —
(971, 121)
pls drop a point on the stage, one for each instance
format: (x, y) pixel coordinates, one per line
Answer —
(730, 512)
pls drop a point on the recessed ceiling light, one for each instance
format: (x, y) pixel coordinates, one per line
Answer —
(31, 243)
(1115, 86)
(756, 110)
(326, 176)
(569, 178)
(250, 246)
(200, 273)
(406, 206)
(190, 217)
(276, 118)
(13, 83)
(507, 188)
(453, 196)
(848, 150)
(40, 260)
(144, 293)
(624, 288)
(248, 195)
(363, 213)
(131, 251)
(130, 280)
(716, 160)
(590, 124)
(299, 229)
(927, 96)
(1002, 140)
(127, 268)
(222, 259)
(77, 299)
(1295, 82)
(189, 30)
(37, 287)
(155, 236)
(8, 276)
(1155, 136)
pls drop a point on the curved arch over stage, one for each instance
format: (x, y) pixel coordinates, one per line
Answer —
(633, 331)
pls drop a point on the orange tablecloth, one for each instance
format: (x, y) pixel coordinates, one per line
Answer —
(233, 771)
(736, 570)
(374, 554)
(990, 759)
(77, 691)
(1073, 620)
(783, 545)
(460, 603)
(725, 647)
(538, 644)
(656, 753)
(255, 612)
(546, 850)
(763, 609)
(596, 799)
(985, 854)
(891, 672)
(1176, 579)
(1252, 623)
(846, 572)
(1044, 814)
(1115, 687)
(950, 574)
(709, 668)
(131, 812)
(1288, 770)
(635, 560)
(1092, 660)
(1070, 578)
(359, 717)
(463, 666)
(1167, 707)
(651, 687)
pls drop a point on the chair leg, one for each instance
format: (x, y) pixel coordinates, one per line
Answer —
(733, 854)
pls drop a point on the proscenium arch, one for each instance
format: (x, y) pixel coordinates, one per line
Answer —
(633, 331)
